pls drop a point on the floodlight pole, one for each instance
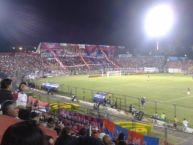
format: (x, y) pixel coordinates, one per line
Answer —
(157, 45)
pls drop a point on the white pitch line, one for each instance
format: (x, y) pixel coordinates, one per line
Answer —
(177, 99)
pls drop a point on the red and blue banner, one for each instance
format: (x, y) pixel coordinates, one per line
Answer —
(109, 125)
(132, 137)
(120, 129)
(136, 138)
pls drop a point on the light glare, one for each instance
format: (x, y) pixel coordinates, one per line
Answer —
(159, 20)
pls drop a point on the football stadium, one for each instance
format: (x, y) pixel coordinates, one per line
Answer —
(151, 85)
(70, 75)
(169, 91)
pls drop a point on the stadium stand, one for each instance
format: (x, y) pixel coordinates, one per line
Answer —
(142, 61)
(79, 56)
(181, 65)
(58, 58)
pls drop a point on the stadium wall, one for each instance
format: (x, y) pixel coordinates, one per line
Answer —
(151, 70)
(175, 70)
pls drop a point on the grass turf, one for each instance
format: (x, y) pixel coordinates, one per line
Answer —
(164, 89)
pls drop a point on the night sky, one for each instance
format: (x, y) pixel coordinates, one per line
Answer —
(109, 22)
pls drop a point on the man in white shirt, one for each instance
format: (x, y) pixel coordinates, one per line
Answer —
(22, 96)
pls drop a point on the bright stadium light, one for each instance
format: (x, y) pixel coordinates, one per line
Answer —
(159, 20)
(20, 48)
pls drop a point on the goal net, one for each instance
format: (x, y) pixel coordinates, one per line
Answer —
(113, 73)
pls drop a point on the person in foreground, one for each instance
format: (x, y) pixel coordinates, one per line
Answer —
(64, 138)
(9, 108)
(85, 140)
(5, 91)
(23, 133)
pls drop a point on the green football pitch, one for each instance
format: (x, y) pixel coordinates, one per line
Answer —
(164, 93)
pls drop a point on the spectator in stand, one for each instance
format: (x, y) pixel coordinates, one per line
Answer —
(83, 132)
(51, 123)
(65, 138)
(123, 143)
(23, 133)
(49, 140)
(22, 96)
(95, 134)
(107, 140)
(9, 108)
(35, 116)
(121, 139)
(86, 141)
(24, 114)
(5, 92)
(101, 135)
(59, 126)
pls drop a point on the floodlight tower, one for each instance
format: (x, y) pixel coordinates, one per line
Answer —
(159, 21)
